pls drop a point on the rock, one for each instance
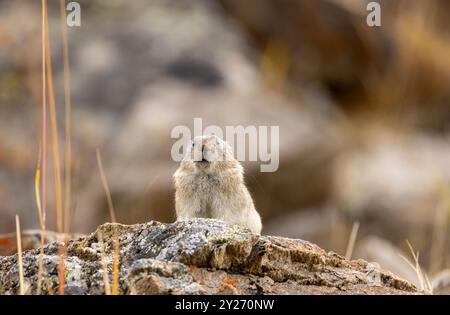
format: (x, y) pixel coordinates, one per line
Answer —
(30, 239)
(387, 255)
(201, 256)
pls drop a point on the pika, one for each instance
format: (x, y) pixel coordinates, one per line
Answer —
(210, 184)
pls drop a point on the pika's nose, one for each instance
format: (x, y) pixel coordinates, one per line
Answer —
(203, 154)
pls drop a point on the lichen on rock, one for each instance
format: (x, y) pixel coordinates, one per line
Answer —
(199, 256)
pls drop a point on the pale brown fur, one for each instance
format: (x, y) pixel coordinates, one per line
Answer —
(210, 184)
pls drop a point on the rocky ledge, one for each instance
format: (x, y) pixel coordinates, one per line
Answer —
(200, 256)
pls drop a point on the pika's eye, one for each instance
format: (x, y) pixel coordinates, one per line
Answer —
(192, 143)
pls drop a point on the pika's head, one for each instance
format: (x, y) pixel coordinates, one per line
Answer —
(209, 153)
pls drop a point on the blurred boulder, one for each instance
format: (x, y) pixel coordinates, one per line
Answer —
(400, 66)
(139, 70)
(393, 178)
(321, 39)
(441, 282)
(325, 226)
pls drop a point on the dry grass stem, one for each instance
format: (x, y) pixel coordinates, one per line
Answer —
(19, 257)
(106, 187)
(352, 240)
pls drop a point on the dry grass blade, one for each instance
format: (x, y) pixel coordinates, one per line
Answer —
(44, 113)
(55, 150)
(106, 187)
(19, 257)
(68, 121)
(37, 180)
(42, 228)
(115, 288)
(440, 228)
(54, 133)
(41, 202)
(104, 265)
(425, 285)
(352, 240)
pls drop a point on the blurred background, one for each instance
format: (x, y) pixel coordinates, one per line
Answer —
(364, 114)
